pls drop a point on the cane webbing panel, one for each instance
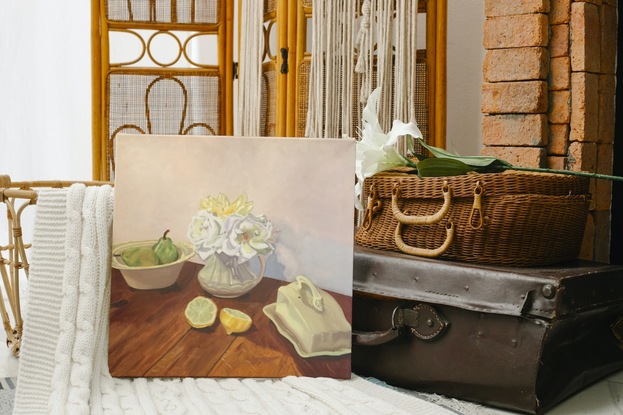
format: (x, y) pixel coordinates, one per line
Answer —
(270, 6)
(421, 97)
(269, 99)
(148, 102)
(163, 11)
(302, 97)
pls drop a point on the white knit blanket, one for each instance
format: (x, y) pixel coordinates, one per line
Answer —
(63, 365)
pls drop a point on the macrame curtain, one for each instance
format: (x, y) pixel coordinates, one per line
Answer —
(250, 69)
(356, 46)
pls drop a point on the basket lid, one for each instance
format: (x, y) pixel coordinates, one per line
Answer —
(504, 183)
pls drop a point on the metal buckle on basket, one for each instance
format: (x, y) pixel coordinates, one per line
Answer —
(373, 206)
(476, 211)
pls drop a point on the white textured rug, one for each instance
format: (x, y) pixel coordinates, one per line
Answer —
(7, 395)
(63, 365)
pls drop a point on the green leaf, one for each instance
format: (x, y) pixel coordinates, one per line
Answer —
(480, 163)
(442, 167)
(496, 166)
(487, 164)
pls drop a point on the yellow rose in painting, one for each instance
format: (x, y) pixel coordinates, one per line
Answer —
(222, 208)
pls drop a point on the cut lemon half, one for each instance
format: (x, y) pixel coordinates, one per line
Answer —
(235, 321)
(200, 312)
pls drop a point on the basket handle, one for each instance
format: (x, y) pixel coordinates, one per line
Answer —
(405, 219)
(424, 252)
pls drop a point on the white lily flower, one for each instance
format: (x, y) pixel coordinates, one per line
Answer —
(376, 151)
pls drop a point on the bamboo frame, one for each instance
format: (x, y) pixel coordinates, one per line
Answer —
(228, 62)
(294, 46)
(96, 91)
(436, 40)
(440, 73)
(302, 14)
(17, 196)
(275, 62)
(283, 79)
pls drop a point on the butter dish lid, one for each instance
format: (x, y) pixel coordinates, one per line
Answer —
(311, 319)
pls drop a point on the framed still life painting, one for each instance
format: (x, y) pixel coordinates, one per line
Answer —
(232, 257)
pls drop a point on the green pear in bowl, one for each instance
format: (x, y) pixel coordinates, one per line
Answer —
(162, 252)
(140, 256)
(165, 249)
(151, 264)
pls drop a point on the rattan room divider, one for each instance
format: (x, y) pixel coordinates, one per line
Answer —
(146, 95)
(149, 94)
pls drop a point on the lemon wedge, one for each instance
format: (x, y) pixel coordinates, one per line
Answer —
(234, 321)
(200, 312)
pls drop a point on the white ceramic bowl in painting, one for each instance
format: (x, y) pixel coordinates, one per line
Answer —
(151, 277)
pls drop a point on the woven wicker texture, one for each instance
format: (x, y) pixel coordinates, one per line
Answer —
(269, 99)
(14, 262)
(175, 103)
(163, 11)
(528, 219)
(302, 94)
(422, 94)
(270, 6)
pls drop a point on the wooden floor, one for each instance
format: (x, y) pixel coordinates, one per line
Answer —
(149, 336)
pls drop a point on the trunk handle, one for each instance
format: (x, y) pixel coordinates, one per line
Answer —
(423, 321)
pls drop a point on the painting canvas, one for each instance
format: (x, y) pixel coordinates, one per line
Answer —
(232, 257)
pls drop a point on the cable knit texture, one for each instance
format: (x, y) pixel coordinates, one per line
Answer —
(64, 356)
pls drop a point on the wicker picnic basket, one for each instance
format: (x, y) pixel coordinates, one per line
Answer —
(511, 218)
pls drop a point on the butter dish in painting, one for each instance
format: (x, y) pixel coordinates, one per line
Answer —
(311, 319)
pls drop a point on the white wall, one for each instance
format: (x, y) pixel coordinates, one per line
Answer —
(465, 58)
(45, 95)
(45, 84)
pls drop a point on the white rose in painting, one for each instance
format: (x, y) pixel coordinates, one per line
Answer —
(206, 231)
(248, 236)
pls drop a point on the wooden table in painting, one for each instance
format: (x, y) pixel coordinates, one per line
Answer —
(149, 335)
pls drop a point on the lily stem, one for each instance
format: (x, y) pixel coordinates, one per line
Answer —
(567, 172)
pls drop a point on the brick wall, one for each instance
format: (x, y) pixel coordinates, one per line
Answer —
(548, 94)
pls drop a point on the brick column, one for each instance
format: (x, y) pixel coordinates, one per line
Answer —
(548, 93)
